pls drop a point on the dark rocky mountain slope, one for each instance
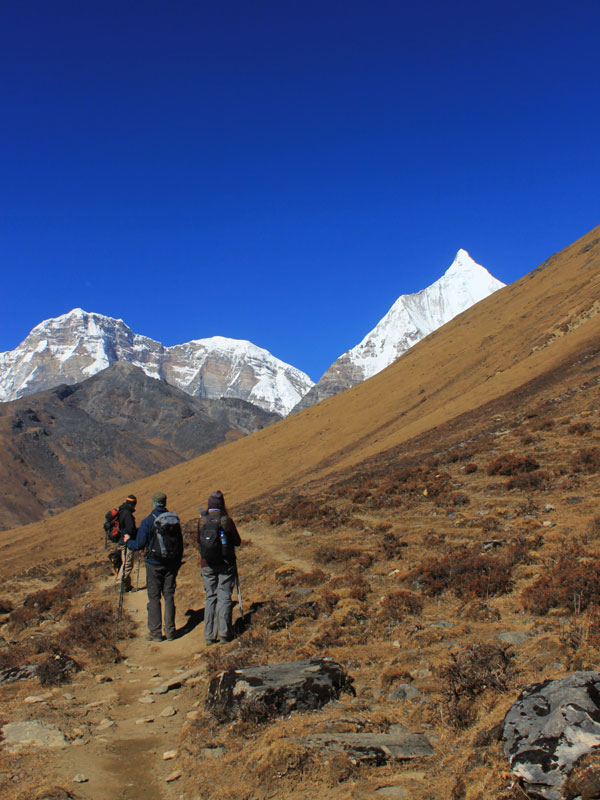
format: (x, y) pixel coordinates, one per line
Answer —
(67, 444)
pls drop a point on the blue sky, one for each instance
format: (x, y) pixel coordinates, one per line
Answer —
(282, 171)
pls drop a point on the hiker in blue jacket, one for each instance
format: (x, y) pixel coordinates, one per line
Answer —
(161, 569)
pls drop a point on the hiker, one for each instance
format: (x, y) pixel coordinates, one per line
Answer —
(161, 539)
(217, 539)
(128, 528)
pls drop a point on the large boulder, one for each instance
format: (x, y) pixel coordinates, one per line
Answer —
(276, 689)
(550, 726)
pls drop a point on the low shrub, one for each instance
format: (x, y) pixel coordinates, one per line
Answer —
(539, 479)
(467, 573)
(392, 546)
(328, 554)
(472, 671)
(470, 468)
(580, 428)
(396, 605)
(587, 460)
(357, 585)
(510, 464)
(572, 584)
(57, 669)
(93, 630)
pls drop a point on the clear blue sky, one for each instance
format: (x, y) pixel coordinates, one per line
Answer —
(281, 171)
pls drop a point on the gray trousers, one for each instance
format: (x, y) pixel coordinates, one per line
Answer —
(161, 581)
(126, 565)
(218, 585)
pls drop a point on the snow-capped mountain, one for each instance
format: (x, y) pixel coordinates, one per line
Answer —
(410, 319)
(77, 345)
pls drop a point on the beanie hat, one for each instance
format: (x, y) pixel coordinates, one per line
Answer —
(216, 500)
(160, 499)
(131, 498)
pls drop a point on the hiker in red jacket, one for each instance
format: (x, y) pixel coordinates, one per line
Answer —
(217, 539)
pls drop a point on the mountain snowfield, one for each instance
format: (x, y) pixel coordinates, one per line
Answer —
(410, 319)
(77, 345)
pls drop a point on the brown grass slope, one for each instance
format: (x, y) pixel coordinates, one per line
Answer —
(546, 324)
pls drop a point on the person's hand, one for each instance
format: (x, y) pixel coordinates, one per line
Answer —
(126, 538)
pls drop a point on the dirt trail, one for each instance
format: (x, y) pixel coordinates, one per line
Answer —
(121, 756)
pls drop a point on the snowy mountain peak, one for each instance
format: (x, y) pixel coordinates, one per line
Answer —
(77, 345)
(410, 319)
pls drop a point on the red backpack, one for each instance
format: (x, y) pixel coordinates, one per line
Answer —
(111, 526)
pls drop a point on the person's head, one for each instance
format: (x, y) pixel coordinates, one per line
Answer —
(217, 501)
(131, 499)
(159, 499)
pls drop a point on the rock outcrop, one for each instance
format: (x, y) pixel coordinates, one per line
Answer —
(551, 725)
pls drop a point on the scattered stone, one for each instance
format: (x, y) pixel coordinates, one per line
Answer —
(514, 637)
(276, 689)
(22, 673)
(374, 748)
(69, 696)
(144, 720)
(146, 699)
(403, 691)
(549, 507)
(173, 776)
(105, 724)
(169, 711)
(549, 727)
(80, 778)
(169, 754)
(38, 698)
(572, 500)
(103, 679)
(392, 792)
(212, 752)
(192, 715)
(31, 733)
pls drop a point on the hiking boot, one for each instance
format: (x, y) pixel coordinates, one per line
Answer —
(211, 641)
(152, 638)
(171, 637)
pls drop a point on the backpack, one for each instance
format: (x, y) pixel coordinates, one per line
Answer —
(212, 540)
(166, 541)
(111, 525)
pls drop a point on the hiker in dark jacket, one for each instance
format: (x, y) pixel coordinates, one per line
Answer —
(161, 571)
(218, 574)
(126, 527)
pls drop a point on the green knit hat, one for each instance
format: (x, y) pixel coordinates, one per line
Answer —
(160, 499)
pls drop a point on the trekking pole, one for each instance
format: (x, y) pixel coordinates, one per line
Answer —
(239, 594)
(121, 592)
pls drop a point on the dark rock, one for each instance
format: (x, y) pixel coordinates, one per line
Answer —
(403, 691)
(276, 689)
(550, 726)
(22, 673)
(374, 748)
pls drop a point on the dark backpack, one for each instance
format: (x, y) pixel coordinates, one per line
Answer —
(111, 525)
(165, 544)
(212, 539)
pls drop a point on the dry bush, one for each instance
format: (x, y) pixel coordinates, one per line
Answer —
(543, 425)
(275, 615)
(470, 468)
(459, 499)
(357, 586)
(93, 630)
(539, 479)
(57, 669)
(305, 511)
(467, 573)
(587, 460)
(583, 630)
(295, 577)
(328, 600)
(6, 606)
(472, 671)
(510, 464)
(14, 655)
(396, 605)
(49, 603)
(343, 555)
(392, 546)
(580, 428)
(394, 674)
(573, 584)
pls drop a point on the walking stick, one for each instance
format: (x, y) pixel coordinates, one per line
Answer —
(239, 594)
(121, 592)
